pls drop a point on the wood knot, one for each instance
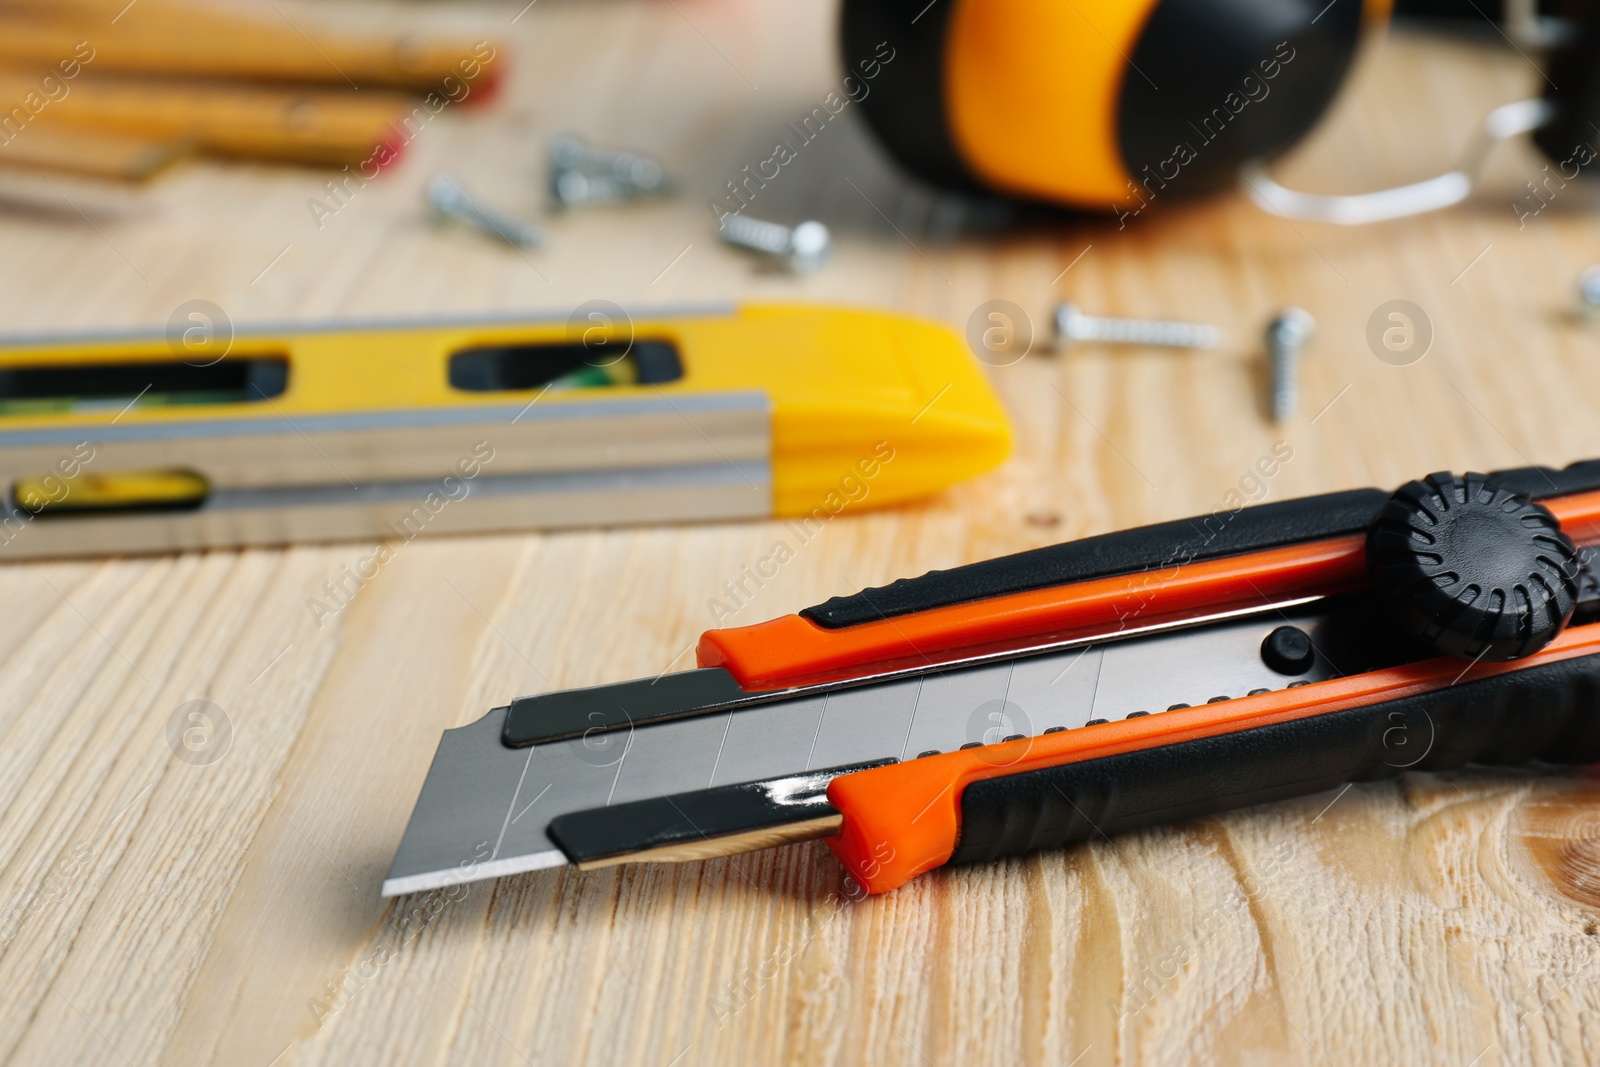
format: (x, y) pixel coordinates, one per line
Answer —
(1558, 829)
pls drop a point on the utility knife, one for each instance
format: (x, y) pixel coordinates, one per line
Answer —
(1064, 693)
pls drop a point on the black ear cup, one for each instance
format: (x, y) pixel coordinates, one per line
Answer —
(1572, 138)
(1225, 82)
(905, 108)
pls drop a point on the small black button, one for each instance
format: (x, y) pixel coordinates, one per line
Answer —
(1288, 650)
(1097, 722)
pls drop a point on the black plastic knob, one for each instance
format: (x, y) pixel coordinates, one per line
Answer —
(1472, 569)
(1288, 650)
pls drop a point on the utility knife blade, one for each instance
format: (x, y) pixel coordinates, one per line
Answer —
(1064, 693)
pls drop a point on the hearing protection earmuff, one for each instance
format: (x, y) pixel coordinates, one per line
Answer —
(1109, 105)
(1100, 104)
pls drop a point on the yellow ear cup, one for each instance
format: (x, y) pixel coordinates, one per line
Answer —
(1032, 90)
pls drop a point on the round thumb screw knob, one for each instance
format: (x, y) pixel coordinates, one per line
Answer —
(1472, 569)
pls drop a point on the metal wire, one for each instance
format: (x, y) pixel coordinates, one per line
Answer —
(1433, 194)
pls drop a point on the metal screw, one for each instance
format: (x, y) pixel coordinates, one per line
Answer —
(583, 174)
(802, 249)
(447, 199)
(1073, 326)
(1589, 288)
(1287, 333)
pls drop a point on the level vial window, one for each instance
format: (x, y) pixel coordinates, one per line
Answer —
(52, 495)
(564, 365)
(113, 385)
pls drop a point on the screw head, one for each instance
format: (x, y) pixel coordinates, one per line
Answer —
(1288, 650)
(1292, 327)
(1589, 287)
(809, 243)
(566, 150)
(570, 186)
(1067, 317)
(443, 193)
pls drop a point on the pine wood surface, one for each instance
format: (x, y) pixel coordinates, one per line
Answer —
(157, 912)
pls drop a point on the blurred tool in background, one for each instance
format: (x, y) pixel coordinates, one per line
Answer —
(110, 89)
(800, 249)
(1104, 105)
(1562, 121)
(285, 434)
(449, 200)
(583, 174)
(1527, 22)
(1073, 327)
(1117, 106)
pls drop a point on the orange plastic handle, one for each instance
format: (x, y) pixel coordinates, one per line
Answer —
(795, 651)
(905, 818)
(792, 650)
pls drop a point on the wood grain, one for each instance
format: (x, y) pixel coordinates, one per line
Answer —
(153, 911)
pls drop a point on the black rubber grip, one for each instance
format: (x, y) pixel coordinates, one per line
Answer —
(1549, 713)
(1125, 552)
(1168, 544)
(1542, 483)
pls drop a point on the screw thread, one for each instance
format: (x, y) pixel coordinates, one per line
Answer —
(616, 173)
(757, 234)
(1155, 332)
(1073, 325)
(508, 228)
(1589, 288)
(1285, 380)
(447, 198)
(1285, 334)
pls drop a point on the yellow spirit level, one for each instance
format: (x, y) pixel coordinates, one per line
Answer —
(139, 443)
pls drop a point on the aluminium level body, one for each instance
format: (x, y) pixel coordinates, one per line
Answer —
(123, 444)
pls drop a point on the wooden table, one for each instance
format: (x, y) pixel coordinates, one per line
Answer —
(160, 912)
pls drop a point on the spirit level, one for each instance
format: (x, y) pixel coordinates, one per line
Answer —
(383, 430)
